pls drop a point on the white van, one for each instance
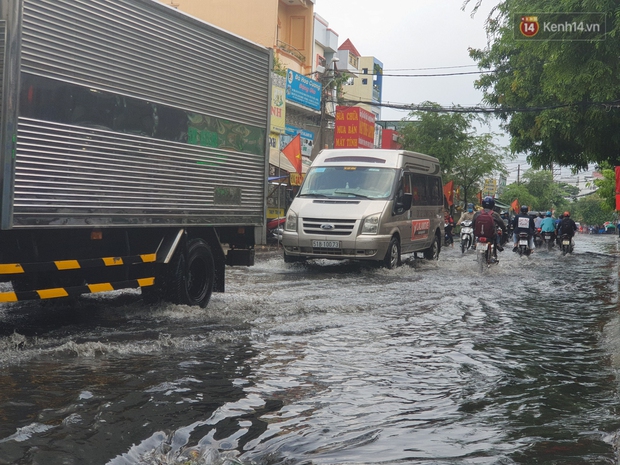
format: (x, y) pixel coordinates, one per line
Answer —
(366, 204)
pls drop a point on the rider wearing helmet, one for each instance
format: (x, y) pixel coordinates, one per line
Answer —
(523, 223)
(567, 226)
(488, 203)
(548, 225)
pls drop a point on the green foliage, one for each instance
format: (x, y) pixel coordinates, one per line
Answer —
(540, 192)
(278, 67)
(567, 86)
(466, 157)
(591, 210)
(607, 188)
(480, 158)
(441, 135)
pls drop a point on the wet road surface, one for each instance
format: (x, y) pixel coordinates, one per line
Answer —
(325, 363)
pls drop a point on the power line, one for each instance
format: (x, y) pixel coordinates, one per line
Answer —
(477, 108)
(428, 69)
(464, 73)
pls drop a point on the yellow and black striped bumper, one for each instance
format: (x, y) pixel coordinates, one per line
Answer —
(59, 292)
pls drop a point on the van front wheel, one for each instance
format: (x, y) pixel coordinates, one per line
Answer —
(392, 256)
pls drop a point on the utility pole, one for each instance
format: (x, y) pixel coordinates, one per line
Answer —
(518, 173)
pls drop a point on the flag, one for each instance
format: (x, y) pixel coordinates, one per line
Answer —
(479, 195)
(447, 191)
(515, 205)
(293, 152)
(618, 188)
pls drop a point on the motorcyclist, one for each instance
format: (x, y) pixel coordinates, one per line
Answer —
(449, 224)
(567, 226)
(468, 215)
(523, 223)
(488, 203)
(548, 225)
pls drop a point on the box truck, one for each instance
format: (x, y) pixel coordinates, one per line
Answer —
(133, 142)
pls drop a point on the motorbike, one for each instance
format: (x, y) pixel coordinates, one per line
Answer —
(447, 238)
(467, 235)
(538, 239)
(275, 228)
(566, 243)
(524, 244)
(486, 252)
(548, 240)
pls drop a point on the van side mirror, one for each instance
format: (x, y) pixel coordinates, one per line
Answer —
(403, 203)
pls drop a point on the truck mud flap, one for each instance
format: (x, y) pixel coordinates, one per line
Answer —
(60, 292)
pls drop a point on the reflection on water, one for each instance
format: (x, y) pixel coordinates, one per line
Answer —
(329, 363)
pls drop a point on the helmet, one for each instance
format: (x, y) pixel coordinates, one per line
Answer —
(488, 202)
(566, 214)
(524, 208)
(549, 214)
(470, 207)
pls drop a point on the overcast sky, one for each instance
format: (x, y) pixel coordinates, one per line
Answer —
(407, 35)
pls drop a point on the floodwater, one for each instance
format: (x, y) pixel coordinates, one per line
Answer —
(328, 363)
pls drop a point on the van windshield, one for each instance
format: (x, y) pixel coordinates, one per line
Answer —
(349, 181)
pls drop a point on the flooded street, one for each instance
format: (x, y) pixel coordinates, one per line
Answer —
(328, 363)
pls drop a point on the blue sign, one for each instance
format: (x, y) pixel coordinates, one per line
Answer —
(303, 90)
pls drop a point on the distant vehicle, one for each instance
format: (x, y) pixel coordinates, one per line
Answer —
(367, 204)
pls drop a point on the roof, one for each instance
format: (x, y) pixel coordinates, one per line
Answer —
(348, 45)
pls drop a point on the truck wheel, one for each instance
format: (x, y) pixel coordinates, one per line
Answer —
(193, 275)
(432, 253)
(392, 256)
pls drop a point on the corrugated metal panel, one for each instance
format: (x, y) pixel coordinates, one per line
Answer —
(2, 52)
(69, 176)
(146, 50)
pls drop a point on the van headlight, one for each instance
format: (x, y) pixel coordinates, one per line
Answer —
(291, 221)
(371, 224)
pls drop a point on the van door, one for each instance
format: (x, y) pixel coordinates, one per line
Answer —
(402, 212)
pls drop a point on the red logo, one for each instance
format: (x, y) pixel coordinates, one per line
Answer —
(529, 26)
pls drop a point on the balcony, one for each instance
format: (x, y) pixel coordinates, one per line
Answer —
(291, 51)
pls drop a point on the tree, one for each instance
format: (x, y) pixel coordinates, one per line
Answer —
(478, 160)
(592, 210)
(465, 157)
(607, 188)
(539, 192)
(566, 91)
(441, 135)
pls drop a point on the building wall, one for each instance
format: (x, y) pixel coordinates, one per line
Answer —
(253, 19)
(362, 87)
(271, 23)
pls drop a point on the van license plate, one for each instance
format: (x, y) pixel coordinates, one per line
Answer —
(326, 244)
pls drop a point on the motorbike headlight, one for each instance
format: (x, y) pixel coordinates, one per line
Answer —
(371, 224)
(291, 221)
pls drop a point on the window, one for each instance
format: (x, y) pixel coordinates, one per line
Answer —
(365, 70)
(365, 81)
(435, 190)
(420, 189)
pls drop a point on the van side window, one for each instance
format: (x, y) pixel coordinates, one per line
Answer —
(406, 183)
(420, 189)
(434, 187)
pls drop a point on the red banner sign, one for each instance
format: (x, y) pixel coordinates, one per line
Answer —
(355, 128)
